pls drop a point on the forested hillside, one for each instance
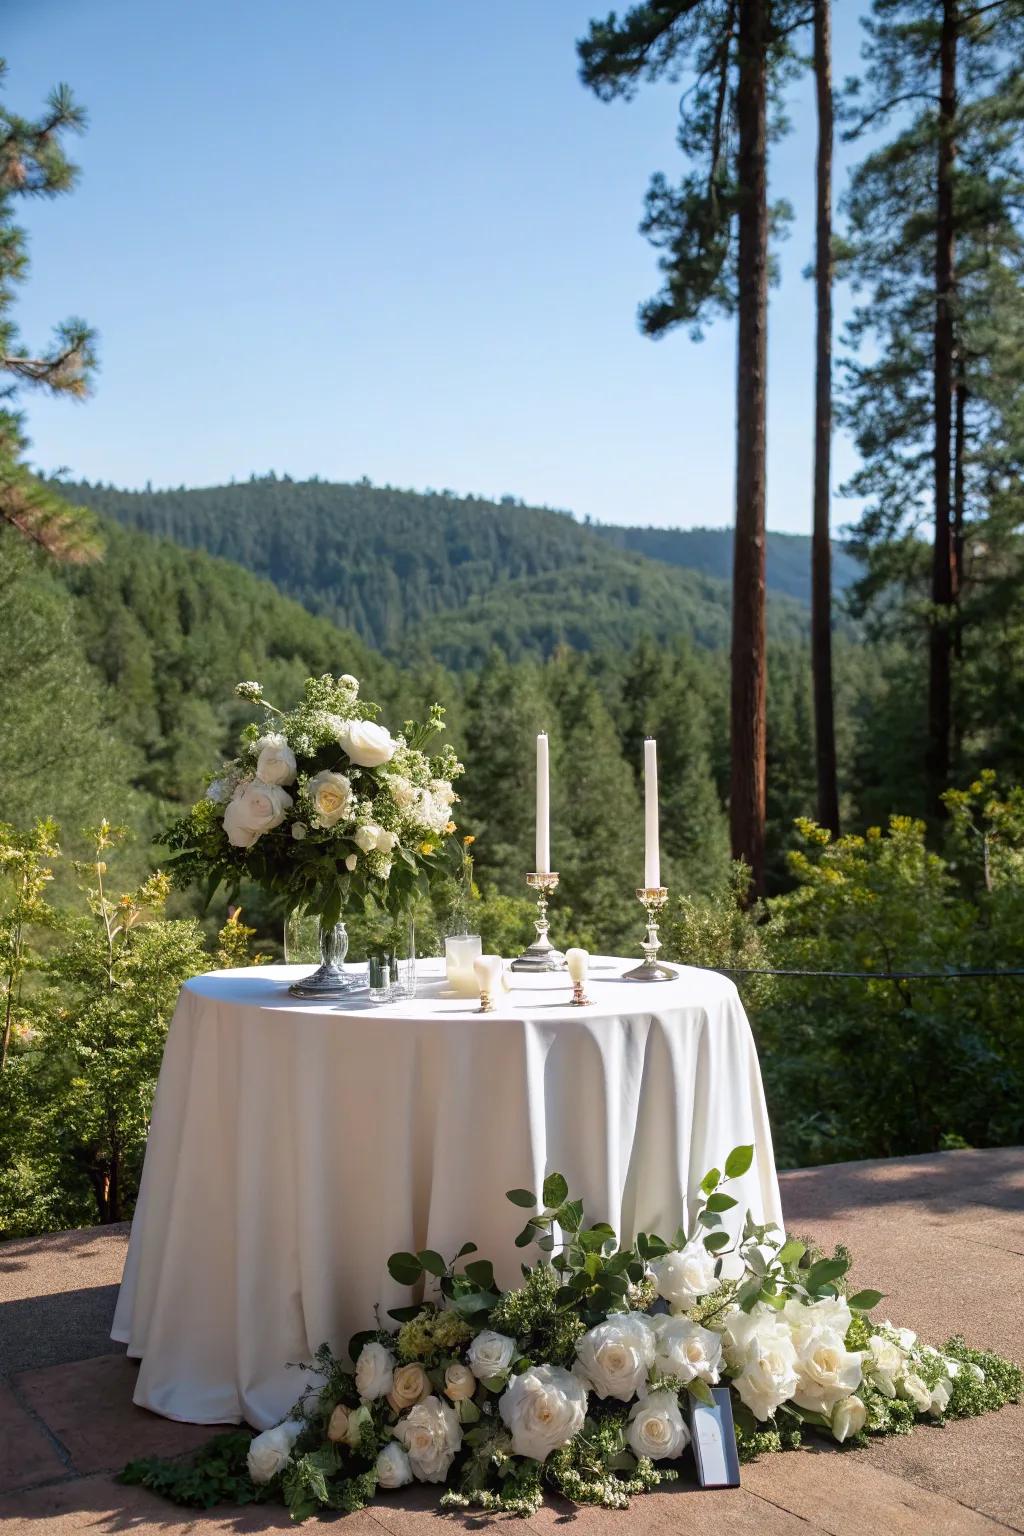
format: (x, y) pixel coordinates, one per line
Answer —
(709, 551)
(438, 573)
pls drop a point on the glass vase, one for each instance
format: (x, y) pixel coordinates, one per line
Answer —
(403, 961)
(329, 979)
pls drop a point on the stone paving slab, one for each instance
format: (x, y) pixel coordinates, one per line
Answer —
(942, 1235)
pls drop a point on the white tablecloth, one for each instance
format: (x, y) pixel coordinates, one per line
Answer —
(295, 1146)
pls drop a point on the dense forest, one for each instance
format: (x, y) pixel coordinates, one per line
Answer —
(450, 576)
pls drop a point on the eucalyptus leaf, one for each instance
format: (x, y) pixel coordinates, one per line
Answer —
(521, 1197)
(738, 1161)
(555, 1191)
(405, 1268)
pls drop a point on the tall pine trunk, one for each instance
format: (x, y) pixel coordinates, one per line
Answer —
(748, 691)
(821, 547)
(959, 495)
(941, 637)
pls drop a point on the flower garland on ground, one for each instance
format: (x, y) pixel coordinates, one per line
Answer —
(578, 1380)
(323, 807)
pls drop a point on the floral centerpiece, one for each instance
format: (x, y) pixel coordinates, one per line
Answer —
(579, 1380)
(324, 809)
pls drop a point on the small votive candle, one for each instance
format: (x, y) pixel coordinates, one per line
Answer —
(577, 963)
(487, 971)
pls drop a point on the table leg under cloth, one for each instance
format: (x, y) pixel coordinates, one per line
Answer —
(294, 1147)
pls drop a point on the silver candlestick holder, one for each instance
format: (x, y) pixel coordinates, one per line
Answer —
(542, 954)
(652, 898)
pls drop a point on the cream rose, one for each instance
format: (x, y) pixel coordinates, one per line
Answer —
(656, 1427)
(254, 808)
(826, 1369)
(941, 1394)
(367, 744)
(409, 1386)
(543, 1409)
(375, 1371)
(848, 1418)
(614, 1357)
(348, 681)
(459, 1382)
(683, 1276)
(276, 761)
(299, 830)
(365, 838)
(431, 1435)
(337, 1425)
(686, 1351)
(331, 797)
(490, 1354)
(270, 1452)
(393, 1469)
(351, 861)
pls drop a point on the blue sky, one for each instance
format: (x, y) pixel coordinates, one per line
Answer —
(343, 238)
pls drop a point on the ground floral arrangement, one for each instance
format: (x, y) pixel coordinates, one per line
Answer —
(323, 807)
(577, 1380)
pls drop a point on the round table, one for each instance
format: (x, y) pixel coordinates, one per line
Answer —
(294, 1146)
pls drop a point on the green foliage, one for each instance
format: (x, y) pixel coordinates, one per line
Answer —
(215, 1474)
(87, 1036)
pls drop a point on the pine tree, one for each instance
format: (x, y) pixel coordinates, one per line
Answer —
(714, 232)
(933, 218)
(33, 164)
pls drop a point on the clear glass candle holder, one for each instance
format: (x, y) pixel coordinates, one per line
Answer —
(379, 977)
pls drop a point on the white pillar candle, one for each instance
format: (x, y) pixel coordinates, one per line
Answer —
(652, 852)
(543, 852)
(577, 963)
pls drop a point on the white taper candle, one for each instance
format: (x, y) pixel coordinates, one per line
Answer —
(652, 852)
(543, 856)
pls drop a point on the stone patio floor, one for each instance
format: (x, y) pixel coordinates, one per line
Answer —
(943, 1236)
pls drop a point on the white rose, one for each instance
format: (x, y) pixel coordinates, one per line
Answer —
(403, 791)
(976, 1371)
(255, 808)
(686, 1351)
(459, 1382)
(683, 1276)
(299, 830)
(367, 744)
(906, 1337)
(614, 1357)
(276, 761)
(826, 1369)
(351, 861)
(386, 841)
(431, 1435)
(941, 1394)
(375, 1371)
(884, 1364)
(490, 1354)
(410, 1386)
(366, 837)
(830, 1312)
(348, 681)
(848, 1418)
(656, 1428)
(331, 797)
(543, 1409)
(763, 1358)
(916, 1391)
(393, 1469)
(270, 1452)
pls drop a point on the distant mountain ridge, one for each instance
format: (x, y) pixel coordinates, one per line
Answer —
(451, 577)
(709, 550)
